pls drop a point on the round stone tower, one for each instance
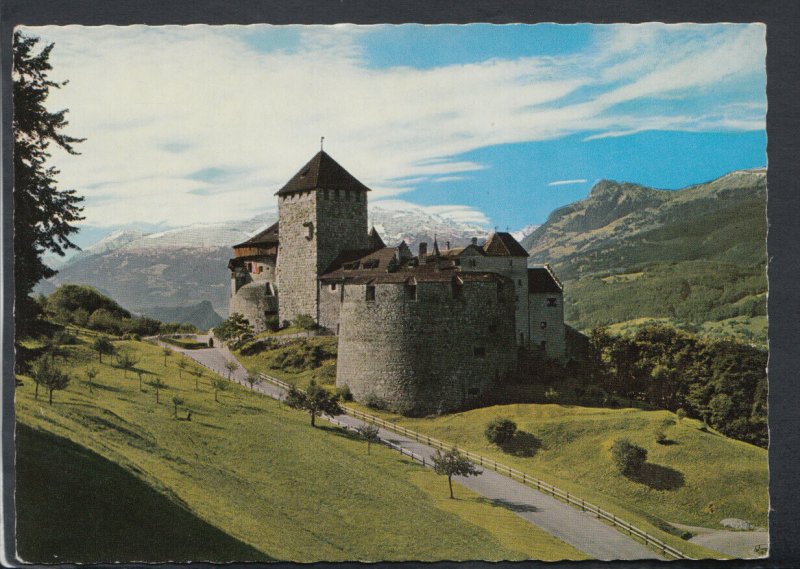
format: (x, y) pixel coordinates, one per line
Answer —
(432, 344)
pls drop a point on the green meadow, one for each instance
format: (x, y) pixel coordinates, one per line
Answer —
(244, 479)
(695, 477)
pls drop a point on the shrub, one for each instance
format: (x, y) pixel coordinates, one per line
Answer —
(661, 437)
(373, 401)
(628, 457)
(500, 430)
(257, 346)
(681, 414)
(305, 322)
(273, 323)
(344, 393)
(551, 394)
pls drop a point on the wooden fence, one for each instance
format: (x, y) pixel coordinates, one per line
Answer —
(533, 482)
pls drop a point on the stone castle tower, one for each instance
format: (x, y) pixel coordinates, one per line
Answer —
(322, 211)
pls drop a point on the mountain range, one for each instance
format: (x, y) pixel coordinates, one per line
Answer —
(182, 267)
(627, 254)
(694, 257)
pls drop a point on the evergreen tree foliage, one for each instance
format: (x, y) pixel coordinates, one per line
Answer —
(43, 214)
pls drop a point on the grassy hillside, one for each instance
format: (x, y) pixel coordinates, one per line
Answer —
(75, 505)
(569, 447)
(253, 470)
(695, 255)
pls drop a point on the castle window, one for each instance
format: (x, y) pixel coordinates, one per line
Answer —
(519, 282)
(479, 351)
(333, 286)
(336, 195)
(411, 292)
(543, 325)
(472, 262)
(370, 292)
(521, 338)
(543, 345)
(310, 226)
(551, 301)
(511, 263)
(347, 195)
(492, 328)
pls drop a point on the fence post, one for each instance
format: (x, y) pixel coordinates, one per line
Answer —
(524, 481)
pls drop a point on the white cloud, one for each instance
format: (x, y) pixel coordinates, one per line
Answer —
(190, 124)
(567, 182)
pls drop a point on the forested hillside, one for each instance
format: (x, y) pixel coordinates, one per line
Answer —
(695, 257)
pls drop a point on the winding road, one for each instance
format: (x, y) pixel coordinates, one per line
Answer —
(579, 529)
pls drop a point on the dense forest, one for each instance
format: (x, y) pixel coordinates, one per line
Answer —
(724, 383)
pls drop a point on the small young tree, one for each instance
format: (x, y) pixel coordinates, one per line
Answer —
(140, 373)
(253, 380)
(500, 430)
(231, 367)
(176, 402)
(158, 385)
(628, 457)
(181, 366)
(198, 375)
(452, 463)
(126, 361)
(103, 346)
(47, 375)
(369, 433)
(40, 370)
(166, 352)
(681, 414)
(316, 400)
(91, 373)
(218, 384)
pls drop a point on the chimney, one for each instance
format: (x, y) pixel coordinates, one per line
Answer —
(423, 251)
(448, 245)
(475, 241)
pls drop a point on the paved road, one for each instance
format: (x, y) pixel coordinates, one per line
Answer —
(738, 544)
(579, 529)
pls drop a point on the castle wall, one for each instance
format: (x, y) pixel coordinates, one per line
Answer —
(429, 355)
(341, 224)
(338, 221)
(516, 269)
(330, 301)
(552, 334)
(297, 255)
(254, 302)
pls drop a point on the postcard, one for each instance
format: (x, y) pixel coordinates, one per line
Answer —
(390, 292)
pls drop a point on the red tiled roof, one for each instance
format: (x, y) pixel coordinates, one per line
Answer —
(324, 172)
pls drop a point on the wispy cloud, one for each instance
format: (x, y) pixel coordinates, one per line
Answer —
(188, 124)
(567, 182)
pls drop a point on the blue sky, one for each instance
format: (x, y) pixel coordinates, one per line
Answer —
(491, 125)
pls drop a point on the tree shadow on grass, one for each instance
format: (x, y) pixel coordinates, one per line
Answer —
(340, 431)
(668, 442)
(508, 505)
(522, 444)
(658, 477)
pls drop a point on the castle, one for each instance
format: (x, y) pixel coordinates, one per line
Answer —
(423, 333)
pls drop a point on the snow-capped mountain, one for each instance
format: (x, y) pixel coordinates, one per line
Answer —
(524, 232)
(186, 265)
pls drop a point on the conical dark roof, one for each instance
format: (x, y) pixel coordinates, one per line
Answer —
(321, 172)
(375, 241)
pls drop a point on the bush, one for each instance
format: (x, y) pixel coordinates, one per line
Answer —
(257, 346)
(661, 437)
(305, 322)
(628, 457)
(344, 393)
(551, 394)
(373, 401)
(273, 323)
(500, 430)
